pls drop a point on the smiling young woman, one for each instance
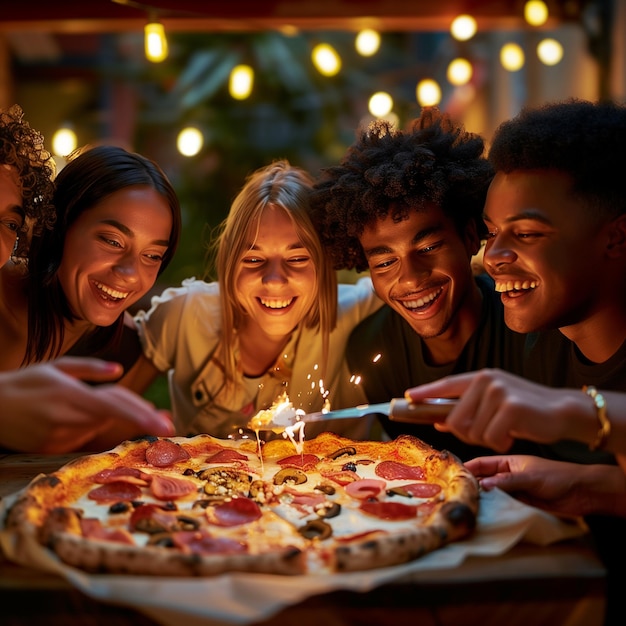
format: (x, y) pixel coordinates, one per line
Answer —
(274, 321)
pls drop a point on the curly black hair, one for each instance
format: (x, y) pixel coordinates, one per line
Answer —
(586, 140)
(22, 147)
(434, 161)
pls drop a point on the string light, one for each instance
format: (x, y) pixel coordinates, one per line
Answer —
(367, 42)
(380, 104)
(241, 81)
(459, 72)
(550, 51)
(64, 141)
(512, 57)
(326, 59)
(155, 41)
(189, 141)
(428, 92)
(463, 27)
(536, 12)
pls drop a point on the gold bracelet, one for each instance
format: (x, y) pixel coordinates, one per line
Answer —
(605, 425)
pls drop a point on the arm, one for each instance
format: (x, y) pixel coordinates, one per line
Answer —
(556, 486)
(46, 408)
(496, 407)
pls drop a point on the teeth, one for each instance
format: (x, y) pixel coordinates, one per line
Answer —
(112, 292)
(276, 304)
(420, 302)
(515, 285)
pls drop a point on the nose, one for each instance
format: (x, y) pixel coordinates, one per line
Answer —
(413, 270)
(126, 268)
(274, 272)
(498, 253)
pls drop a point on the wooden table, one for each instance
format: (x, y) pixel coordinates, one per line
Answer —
(563, 584)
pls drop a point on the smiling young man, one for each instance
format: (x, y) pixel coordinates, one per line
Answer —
(407, 205)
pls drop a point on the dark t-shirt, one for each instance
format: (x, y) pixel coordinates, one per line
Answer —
(402, 363)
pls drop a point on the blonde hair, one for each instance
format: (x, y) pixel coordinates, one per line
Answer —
(289, 188)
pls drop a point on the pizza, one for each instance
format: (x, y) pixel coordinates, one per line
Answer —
(201, 506)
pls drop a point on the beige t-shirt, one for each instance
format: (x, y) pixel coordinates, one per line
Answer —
(180, 335)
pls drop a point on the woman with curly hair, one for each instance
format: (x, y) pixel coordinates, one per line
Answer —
(407, 205)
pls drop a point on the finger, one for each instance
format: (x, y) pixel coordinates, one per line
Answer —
(91, 369)
(487, 465)
(447, 387)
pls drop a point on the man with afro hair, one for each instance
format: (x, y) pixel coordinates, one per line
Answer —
(407, 205)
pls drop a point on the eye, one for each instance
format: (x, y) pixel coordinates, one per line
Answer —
(299, 260)
(251, 260)
(382, 265)
(155, 257)
(13, 225)
(110, 242)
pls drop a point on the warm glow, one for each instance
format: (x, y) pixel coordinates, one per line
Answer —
(428, 92)
(536, 12)
(241, 81)
(459, 72)
(550, 51)
(463, 27)
(64, 142)
(326, 59)
(155, 42)
(380, 104)
(190, 141)
(367, 42)
(512, 57)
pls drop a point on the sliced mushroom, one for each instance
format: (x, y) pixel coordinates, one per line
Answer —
(184, 522)
(328, 509)
(316, 529)
(345, 451)
(164, 540)
(326, 488)
(290, 475)
(399, 491)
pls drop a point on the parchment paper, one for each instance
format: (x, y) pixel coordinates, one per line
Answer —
(247, 598)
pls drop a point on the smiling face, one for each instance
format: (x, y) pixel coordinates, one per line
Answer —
(11, 212)
(544, 250)
(421, 268)
(276, 278)
(112, 254)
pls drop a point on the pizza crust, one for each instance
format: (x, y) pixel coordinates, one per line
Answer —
(54, 508)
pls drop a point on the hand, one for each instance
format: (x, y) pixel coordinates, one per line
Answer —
(556, 486)
(45, 408)
(496, 407)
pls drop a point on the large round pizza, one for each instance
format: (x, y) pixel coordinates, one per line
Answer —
(202, 506)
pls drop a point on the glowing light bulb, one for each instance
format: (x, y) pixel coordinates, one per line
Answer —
(367, 42)
(428, 92)
(380, 104)
(536, 12)
(550, 51)
(64, 141)
(241, 81)
(326, 59)
(460, 72)
(512, 57)
(463, 27)
(155, 42)
(189, 141)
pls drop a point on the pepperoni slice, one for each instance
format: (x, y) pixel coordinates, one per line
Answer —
(92, 529)
(236, 512)
(389, 510)
(392, 470)
(422, 490)
(343, 478)
(305, 498)
(171, 487)
(202, 543)
(130, 475)
(227, 456)
(151, 516)
(164, 452)
(114, 492)
(365, 488)
(305, 462)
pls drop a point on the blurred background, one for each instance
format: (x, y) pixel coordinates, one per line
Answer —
(225, 87)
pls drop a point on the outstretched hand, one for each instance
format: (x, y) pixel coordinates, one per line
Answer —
(47, 408)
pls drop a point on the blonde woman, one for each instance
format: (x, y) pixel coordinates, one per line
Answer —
(275, 321)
